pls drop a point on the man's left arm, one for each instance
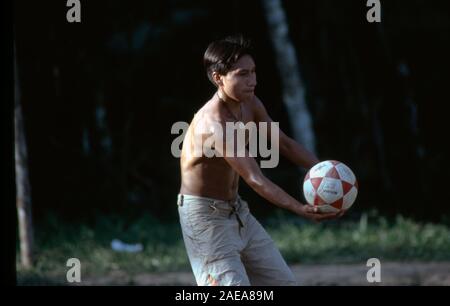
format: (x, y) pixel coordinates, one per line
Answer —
(289, 148)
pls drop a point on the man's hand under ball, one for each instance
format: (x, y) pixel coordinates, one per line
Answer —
(312, 213)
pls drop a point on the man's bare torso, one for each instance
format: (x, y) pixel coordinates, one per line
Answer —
(210, 176)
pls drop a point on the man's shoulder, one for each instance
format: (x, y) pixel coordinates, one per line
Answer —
(213, 112)
(206, 118)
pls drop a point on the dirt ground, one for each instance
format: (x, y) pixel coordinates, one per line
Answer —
(392, 273)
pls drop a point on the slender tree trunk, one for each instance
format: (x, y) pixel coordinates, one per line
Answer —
(23, 200)
(289, 71)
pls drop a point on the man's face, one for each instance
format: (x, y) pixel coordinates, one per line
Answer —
(240, 82)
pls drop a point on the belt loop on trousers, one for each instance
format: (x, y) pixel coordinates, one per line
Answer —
(180, 199)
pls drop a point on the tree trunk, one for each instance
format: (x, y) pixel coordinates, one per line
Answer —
(292, 85)
(23, 200)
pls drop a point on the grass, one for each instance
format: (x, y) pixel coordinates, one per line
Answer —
(400, 239)
(299, 241)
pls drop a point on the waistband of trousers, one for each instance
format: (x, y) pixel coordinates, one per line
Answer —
(187, 198)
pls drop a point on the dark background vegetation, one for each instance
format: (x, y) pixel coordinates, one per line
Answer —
(99, 99)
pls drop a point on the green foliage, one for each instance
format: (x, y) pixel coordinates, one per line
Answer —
(91, 244)
(299, 241)
(371, 236)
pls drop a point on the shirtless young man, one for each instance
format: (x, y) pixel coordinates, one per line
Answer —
(225, 244)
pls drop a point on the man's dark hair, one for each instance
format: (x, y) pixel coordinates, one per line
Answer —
(222, 54)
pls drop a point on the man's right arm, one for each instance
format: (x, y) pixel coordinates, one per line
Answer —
(249, 170)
